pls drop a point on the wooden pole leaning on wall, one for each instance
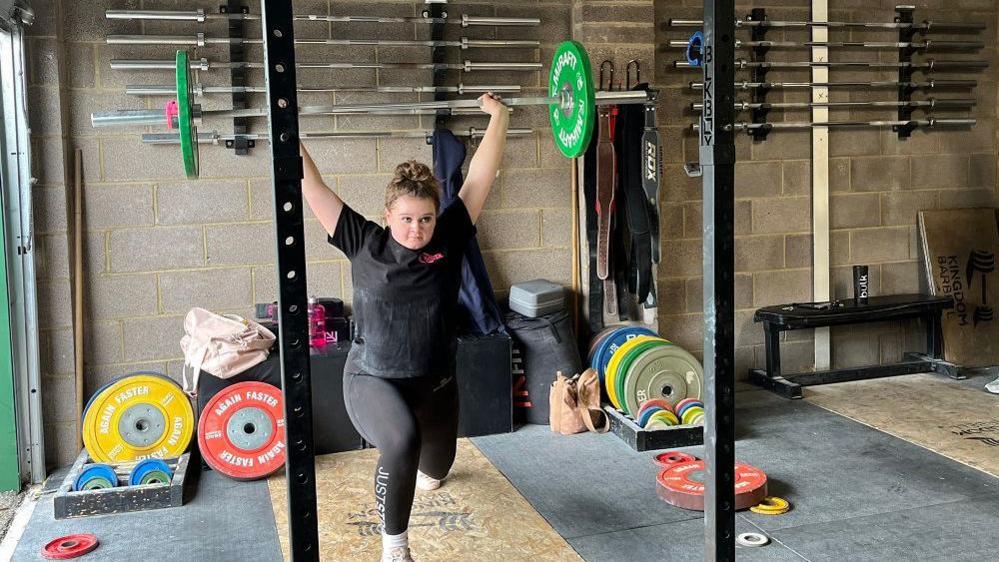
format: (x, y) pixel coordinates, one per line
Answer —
(78, 289)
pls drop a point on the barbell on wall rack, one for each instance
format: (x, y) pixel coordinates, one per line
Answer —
(205, 65)
(215, 137)
(911, 123)
(571, 102)
(930, 64)
(201, 40)
(928, 84)
(202, 90)
(201, 16)
(953, 103)
(924, 45)
(922, 26)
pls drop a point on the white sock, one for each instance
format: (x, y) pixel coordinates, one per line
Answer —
(395, 541)
(427, 483)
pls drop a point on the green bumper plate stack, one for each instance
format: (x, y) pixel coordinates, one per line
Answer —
(665, 371)
(571, 78)
(624, 370)
(188, 132)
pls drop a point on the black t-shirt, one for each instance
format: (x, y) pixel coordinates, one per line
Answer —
(405, 301)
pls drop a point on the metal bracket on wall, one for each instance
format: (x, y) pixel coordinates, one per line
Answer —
(905, 34)
(237, 53)
(759, 73)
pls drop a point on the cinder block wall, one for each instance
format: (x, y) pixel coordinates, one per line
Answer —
(157, 244)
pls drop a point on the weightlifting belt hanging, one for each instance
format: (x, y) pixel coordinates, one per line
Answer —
(606, 186)
(630, 159)
(652, 158)
(595, 301)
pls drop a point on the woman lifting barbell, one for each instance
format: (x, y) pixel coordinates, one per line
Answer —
(399, 379)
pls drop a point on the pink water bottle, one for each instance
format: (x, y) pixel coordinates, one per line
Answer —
(317, 324)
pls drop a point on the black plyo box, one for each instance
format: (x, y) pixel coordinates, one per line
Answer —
(70, 503)
(641, 439)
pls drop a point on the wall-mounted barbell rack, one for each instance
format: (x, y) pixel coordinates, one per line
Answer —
(905, 86)
(236, 14)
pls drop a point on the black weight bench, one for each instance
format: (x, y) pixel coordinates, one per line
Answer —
(801, 316)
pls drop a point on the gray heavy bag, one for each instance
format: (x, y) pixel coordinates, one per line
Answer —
(547, 345)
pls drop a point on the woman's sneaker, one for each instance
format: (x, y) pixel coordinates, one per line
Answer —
(426, 483)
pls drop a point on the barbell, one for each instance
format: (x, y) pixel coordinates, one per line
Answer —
(571, 102)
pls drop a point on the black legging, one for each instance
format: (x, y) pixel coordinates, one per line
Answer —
(414, 424)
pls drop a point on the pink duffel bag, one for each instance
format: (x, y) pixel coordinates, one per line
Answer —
(223, 345)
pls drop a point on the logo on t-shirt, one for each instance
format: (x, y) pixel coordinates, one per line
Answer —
(431, 258)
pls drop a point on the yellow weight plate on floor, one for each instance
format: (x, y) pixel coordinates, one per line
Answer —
(138, 417)
(615, 362)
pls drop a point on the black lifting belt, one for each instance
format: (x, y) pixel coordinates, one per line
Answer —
(631, 162)
(596, 292)
(606, 186)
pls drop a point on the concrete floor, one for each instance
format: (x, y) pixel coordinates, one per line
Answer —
(858, 494)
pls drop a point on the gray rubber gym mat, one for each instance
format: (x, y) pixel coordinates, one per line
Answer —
(600, 494)
(225, 520)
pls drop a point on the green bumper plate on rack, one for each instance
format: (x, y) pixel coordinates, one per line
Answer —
(571, 80)
(624, 371)
(185, 122)
(665, 371)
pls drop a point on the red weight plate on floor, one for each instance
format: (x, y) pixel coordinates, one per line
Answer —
(682, 485)
(669, 458)
(241, 432)
(70, 546)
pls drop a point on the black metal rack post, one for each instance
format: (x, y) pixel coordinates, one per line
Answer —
(717, 155)
(296, 380)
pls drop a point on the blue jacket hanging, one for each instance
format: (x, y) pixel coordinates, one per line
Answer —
(480, 314)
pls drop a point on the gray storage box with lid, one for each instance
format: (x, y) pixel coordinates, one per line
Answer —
(537, 298)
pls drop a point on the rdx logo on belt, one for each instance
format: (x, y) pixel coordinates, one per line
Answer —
(431, 258)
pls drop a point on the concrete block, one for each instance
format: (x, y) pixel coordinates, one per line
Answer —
(902, 208)
(783, 286)
(631, 13)
(95, 254)
(536, 188)
(240, 244)
(785, 145)
(42, 55)
(317, 246)
(940, 171)
(747, 332)
(201, 201)
(601, 32)
(789, 215)
(982, 172)
(59, 398)
(759, 253)
(84, 20)
(957, 199)
(514, 266)
(44, 121)
(55, 308)
(324, 279)
(839, 174)
(922, 141)
(671, 294)
(504, 230)
(158, 248)
(214, 289)
(126, 159)
(364, 193)
(883, 173)
(680, 188)
(854, 210)
(114, 206)
(48, 162)
(797, 356)
(556, 228)
(757, 179)
(899, 278)
(60, 444)
(46, 16)
(797, 177)
(685, 330)
(53, 255)
(153, 338)
(55, 350)
(96, 376)
(854, 142)
(743, 293)
(119, 296)
(671, 222)
(879, 245)
(682, 258)
(103, 343)
(392, 152)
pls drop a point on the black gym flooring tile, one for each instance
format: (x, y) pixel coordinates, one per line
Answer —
(226, 520)
(600, 494)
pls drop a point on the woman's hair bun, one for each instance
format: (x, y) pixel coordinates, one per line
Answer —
(413, 171)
